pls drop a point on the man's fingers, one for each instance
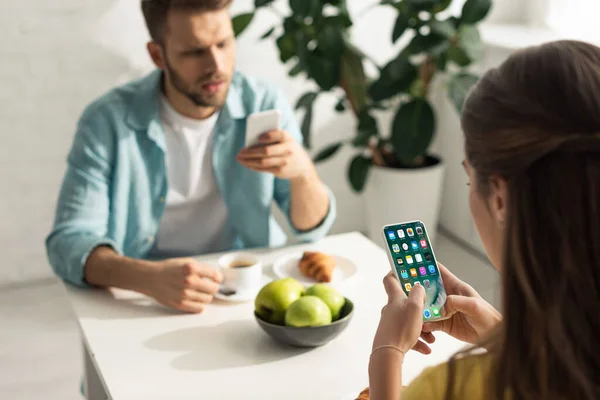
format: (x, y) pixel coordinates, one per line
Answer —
(194, 295)
(392, 286)
(422, 348)
(190, 306)
(428, 337)
(258, 152)
(199, 284)
(265, 163)
(203, 271)
(273, 136)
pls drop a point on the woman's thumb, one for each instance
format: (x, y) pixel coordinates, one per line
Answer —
(417, 295)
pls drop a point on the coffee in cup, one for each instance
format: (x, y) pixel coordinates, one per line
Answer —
(242, 273)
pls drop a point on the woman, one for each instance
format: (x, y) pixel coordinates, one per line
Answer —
(532, 141)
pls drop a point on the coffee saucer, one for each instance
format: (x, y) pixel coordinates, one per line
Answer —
(242, 296)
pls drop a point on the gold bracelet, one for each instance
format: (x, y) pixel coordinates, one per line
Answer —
(388, 346)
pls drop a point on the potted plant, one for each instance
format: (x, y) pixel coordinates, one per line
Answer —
(401, 179)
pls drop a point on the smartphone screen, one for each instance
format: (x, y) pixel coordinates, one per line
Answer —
(415, 264)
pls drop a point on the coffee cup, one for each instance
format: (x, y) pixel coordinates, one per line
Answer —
(242, 273)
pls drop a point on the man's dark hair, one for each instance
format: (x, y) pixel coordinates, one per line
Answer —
(157, 11)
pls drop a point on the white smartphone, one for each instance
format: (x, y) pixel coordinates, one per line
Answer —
(261, 122)
(413, 262)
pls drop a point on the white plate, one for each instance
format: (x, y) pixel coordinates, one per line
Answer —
(287, 267)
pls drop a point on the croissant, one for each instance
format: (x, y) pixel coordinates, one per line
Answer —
(364, 395)
(318, 266)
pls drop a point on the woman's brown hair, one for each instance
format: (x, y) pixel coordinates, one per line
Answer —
(535, 121)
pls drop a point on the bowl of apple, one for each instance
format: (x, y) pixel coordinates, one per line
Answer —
(302, 317)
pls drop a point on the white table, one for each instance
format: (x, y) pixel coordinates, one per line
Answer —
(137, 349)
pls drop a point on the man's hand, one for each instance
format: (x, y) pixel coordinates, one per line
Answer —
(183, 284)
(279, 154)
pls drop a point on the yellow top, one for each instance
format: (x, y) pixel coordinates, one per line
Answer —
(470, 377)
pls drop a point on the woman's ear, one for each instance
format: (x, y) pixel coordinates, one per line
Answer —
(498, 199)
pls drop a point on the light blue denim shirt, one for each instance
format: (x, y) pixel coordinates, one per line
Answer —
(115, 186)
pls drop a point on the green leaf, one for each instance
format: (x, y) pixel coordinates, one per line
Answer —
(296, 70)
(340, 106)
(327, 152)
(475, 10)
(358, 172)
(441, 62)
(287, 47)
(400, 27)
(306, 126)
(470, 41)
(306, 100)
(331, 41)
(443, 28)
(261, 3)
(353, 78)
(459, 56)
(413, 129)
(442, 6)
(422, 5)
(459, 87)
(396, 77)
(305, 8)
(325, 71)
(367, 128)
(241, 22)
(342, 20)
(268, 33)
(432, 43)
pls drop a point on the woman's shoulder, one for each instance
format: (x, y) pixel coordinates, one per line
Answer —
(468, 373)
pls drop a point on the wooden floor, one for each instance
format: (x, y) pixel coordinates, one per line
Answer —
(40, 354)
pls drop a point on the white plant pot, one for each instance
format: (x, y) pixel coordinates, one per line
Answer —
(399, 195)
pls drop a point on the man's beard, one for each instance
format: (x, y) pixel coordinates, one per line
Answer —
(197, 98)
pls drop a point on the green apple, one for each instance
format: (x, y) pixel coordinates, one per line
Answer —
(334, 300)
(274, 298)
(308, 311)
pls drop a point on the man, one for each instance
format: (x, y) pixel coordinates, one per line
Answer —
(158, 168)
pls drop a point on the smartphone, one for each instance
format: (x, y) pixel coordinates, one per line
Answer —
(413, 262)
(261, 122)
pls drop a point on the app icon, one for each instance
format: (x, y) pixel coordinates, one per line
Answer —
(417, 283)
(414, 245)
(427, 313)
(409, 259)
(418, 257)
(400, 233)
(400, 261)
(407, 286)
(413, 272)
(426, 283)
(391, 235)
(419, 230)
(436, 311)
(424, 244)
(404, 246)
(423, 271)
(404, 274)
(431, 269)
(396, 248)
(428, 256)
(410, 232)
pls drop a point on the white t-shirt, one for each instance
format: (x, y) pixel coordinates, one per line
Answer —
(196, 218)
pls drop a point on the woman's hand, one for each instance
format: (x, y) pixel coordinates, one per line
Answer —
(470, 317)
(402, 317)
